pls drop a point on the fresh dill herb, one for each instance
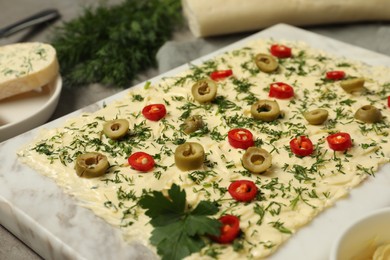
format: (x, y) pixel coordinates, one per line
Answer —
(242, 85)
(365, 170)
(128, 35)
(212, 252)
(280, 226)
(187, 109)
(123, 195)
(108, 204)
(200, 132)
(313, 194)
(157, 174)
(250, 98)
(137, 97)
(267, 244)
(366, 146)
(299, 197)
(216, 135)
(177, 98)
(44, 148)
(225, 104)
(238, 245)
(301, 173)
(249, 66)
(347, 102)
(380, 128)
(274, 208)
(199, 176)
(260, 211)
(344, 65)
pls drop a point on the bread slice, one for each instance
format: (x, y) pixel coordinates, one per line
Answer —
(26, 66)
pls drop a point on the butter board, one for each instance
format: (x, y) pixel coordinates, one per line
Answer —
(70, 229)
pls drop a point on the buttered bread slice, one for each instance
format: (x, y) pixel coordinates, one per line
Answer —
(26, 66)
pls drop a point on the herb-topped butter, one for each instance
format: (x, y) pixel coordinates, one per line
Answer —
(291, 191)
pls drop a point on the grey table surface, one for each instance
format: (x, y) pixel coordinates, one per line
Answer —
(183, 48)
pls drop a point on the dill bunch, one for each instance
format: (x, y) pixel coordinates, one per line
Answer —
(111, 45)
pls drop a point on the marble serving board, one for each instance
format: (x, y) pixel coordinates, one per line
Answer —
(52, 223)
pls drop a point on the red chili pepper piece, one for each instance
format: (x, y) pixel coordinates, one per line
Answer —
(141, 161)
(335, 75)
(229, 230)
(243, 190)
(281, 90)
(154, 112)
(220, 74)
(388, 101)
(301, 146)
(339, 141)
(280, 51)
(240, 138)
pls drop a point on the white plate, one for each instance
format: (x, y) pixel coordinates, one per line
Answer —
(53, 223)
(26, 111)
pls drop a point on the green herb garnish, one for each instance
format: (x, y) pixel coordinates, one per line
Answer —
(112, 44)
(178, 230)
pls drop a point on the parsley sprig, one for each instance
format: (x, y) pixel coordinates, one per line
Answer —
(178, 230)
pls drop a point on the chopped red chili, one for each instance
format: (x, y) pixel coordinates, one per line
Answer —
(301, 146)
(141, 161)
(281, 90)
(154, 112)
(243, 190)
(280, 51)
(220, 74)
(230, 229)
(335, 75)
(240, 138)
(339, 141)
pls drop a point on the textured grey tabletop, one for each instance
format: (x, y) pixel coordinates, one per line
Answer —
(183, 48)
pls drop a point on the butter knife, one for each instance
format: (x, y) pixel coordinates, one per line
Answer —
(38, 18)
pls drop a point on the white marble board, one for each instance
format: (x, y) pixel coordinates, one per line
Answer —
(37, 211)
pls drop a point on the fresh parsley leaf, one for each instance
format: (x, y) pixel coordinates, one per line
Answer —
(161, 209)
(173, 243)
(178, 230)
(205, 208)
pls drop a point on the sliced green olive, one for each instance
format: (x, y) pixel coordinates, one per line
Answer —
(266, 63)
(90, 165)
(116, 129)
(256, 160)
(204, 90)
(192, 123)
(316, 116)
(189, 156)
(368, 114)
(265, 110)
(352, 85)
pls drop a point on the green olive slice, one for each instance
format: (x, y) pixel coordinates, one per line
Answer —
(189, 156)
(316, 116)
(90, 165)
(256, 159)
(192, 124)
(265, 110)
(116, 129)
(204, 90)
(368, 114)
(266, 63)
(352, 85)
